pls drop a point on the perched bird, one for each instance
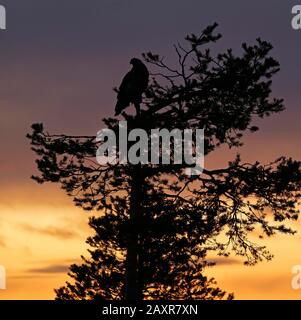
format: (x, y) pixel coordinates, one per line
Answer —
(132, 87)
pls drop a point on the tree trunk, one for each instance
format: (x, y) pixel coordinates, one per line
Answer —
(133, 289)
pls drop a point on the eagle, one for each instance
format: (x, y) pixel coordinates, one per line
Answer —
(132, 87)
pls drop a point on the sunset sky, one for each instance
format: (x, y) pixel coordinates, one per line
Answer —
(60, 59)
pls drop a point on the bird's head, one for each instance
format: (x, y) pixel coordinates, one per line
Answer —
(135, 61)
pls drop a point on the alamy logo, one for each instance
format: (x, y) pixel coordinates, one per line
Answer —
(296, 281)
(2, 278)
(296, 21)
(2, 18)
(162, 147)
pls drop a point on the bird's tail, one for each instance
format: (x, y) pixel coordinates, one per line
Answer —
(121, 105)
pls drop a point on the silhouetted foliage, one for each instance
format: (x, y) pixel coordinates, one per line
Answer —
(165, 271)
(178, 219)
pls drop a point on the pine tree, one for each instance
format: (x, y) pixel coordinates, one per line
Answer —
(155, 224)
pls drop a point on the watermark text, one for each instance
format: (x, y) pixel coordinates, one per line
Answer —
(296, 21)
(160, 147)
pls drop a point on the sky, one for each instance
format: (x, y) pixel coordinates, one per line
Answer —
(59, 61)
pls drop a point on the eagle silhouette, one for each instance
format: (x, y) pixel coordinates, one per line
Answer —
(132, 87)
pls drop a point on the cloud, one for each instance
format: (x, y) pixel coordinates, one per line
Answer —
(56, 268)
(62, 233)
(46, 268)
(31, 276)
(222, 261)
(2, 242)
